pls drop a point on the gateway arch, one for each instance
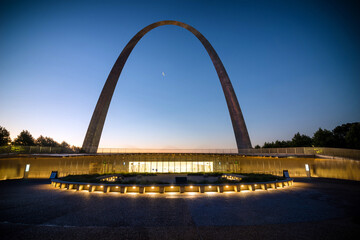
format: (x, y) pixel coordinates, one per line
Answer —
(93, 134)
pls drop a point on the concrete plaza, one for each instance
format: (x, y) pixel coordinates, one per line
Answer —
(310, 209)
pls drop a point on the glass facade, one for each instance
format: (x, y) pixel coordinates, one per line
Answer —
(170, 167)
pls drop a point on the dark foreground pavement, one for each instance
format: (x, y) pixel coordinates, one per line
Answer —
(311, 209)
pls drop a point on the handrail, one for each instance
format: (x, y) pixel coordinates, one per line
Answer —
(296, 151)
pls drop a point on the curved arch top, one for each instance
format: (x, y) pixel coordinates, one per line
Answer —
(93, 134)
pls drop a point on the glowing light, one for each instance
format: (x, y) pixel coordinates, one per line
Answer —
(211, 193)
(172, 186)
(88, 185)
(191, 186)
(101, 186)
(192, 193)
(227, 186)
(242, 185)
(133, 187)
(209, 186)
(117, 187)
(172, 193)
(152, 187)
(255, 185)
(229, 192)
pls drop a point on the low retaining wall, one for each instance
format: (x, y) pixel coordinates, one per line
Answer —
(171, 188)
(40, 166)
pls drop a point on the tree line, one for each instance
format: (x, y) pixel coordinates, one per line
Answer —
(343, 136)
(26, 139)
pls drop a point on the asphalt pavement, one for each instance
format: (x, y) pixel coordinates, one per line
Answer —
(310, 209)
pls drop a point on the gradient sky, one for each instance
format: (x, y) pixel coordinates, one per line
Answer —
(294, 65)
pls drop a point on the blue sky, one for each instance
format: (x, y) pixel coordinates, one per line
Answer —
(294, 65)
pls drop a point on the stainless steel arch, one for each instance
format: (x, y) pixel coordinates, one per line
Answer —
(92, 138)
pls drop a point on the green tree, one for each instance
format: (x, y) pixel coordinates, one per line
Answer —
(64, 145)
(352, 137)
(257, 146)
(343, 136)
(301, 140)
(76, 149)
(51, 142)
(24, 139)
(40, 141)
(283, 144)
(268, 145)
(4, 137)
(324, 138)
(46, 142)
(277, 144)
(340, 134)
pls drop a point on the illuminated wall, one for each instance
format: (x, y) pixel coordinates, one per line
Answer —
(41, 166)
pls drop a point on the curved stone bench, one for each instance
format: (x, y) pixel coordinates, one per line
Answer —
(171, 188)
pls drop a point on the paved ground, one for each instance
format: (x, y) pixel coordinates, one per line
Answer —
(317, 209)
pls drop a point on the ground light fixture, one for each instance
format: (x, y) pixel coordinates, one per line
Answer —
(180, 188)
